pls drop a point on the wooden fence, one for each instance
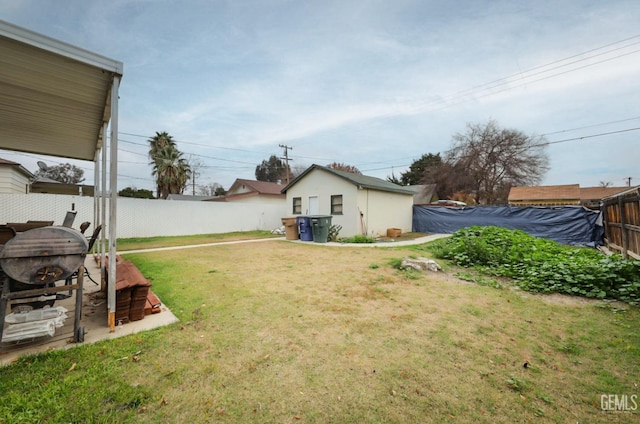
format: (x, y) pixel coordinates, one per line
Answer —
(621, 215)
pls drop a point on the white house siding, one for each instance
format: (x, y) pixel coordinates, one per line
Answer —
(240, 190)
(12, 181)
(383, 210)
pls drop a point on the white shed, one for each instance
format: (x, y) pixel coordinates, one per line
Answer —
(359, 203)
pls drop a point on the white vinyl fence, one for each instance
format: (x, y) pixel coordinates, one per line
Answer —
(146, 217)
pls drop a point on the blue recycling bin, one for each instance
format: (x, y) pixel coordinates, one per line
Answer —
(304, 228)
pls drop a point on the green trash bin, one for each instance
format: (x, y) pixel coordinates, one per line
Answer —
(320, 225)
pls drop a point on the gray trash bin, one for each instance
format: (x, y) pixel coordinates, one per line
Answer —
(320, 225)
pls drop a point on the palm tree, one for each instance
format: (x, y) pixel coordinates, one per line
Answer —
(159, 141)
(170, 169)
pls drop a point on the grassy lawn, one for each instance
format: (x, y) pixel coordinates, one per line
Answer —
(280, 332)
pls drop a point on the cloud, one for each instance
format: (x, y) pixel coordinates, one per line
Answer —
(367, 82)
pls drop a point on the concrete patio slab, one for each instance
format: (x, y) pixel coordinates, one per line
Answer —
(94, 321)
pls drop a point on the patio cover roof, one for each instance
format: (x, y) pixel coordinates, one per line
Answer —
(54, 97)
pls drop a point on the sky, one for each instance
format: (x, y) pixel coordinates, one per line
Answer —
(373, 84)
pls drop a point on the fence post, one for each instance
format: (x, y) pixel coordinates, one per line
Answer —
(623, 228)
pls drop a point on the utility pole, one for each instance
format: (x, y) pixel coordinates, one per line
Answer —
(286, 158)
(628, 181)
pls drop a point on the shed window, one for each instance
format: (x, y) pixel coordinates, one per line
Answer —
(336, 204)
(297, 205)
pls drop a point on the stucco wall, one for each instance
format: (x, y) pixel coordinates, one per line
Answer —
(145, 217)
(259, 199)
(382, 210)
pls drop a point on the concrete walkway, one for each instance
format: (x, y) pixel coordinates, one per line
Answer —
(419, 240)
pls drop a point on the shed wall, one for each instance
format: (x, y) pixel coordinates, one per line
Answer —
(324, 185)
(382, 210)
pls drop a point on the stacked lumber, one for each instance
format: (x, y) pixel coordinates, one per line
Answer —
(134, 298)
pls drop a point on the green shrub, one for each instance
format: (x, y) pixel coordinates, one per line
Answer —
(541, 265)
(359, 238)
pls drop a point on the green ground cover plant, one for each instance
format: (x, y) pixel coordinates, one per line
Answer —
(358, 238)
(541, 265)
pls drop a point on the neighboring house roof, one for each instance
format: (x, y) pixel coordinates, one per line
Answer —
(17, 166)
(241, 189)
(362, 181)
(261, 187)
(597, 193)
(47, 185)
(188, 197)
(626, 192)
(569, 192)
(41, 179)
(423, 193)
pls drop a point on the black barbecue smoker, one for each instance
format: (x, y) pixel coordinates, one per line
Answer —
(38, 267)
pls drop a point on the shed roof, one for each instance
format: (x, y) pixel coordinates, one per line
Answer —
(54, 97)
(362, 181)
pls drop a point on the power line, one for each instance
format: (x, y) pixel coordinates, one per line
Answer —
(586, 136)
(477, 90)
(183, 142)
(546, 143)
(590, 126)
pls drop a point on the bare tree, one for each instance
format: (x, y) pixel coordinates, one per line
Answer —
(494, 159)
(297, 170)
(344, 167)
(211, 189)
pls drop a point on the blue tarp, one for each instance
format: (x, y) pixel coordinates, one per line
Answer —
(568, 225)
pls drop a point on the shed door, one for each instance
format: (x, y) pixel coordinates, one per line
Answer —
(313, 205)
